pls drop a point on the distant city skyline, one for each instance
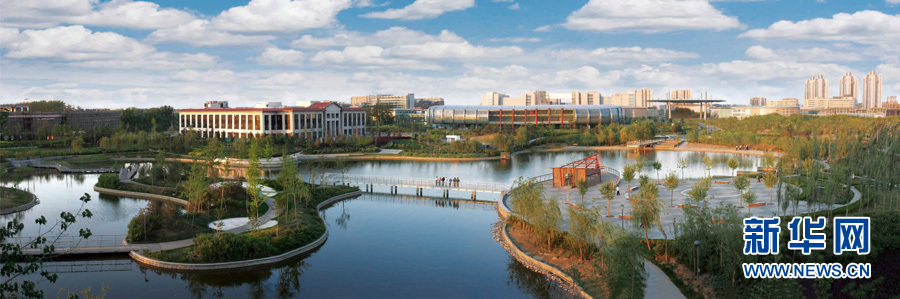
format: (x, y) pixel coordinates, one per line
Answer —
(128, 53)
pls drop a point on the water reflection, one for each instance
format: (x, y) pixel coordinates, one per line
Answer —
(535, 284)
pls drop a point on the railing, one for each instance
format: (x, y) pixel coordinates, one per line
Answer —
(414, 182)
(70, 242)
(87, 266)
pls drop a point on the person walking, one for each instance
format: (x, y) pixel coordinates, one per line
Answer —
(617, 191)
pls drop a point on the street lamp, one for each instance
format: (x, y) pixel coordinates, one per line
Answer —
(622, 216)
(697, 247)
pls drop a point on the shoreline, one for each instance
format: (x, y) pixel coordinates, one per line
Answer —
(23, 207)
(245, 264)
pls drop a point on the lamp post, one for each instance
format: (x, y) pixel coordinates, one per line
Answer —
(622, 216)
(697, 247)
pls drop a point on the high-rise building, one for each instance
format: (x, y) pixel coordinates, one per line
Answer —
(849, 86)
(891, 100)
(816, 88)
(406, 101)
(835, 102)
(527, 99)
(681, 94)
(633, 98)
(871, 91)
(493, 99)
(586, 98)
(757, 101)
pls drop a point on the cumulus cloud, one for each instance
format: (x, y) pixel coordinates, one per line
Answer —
(517, 39)
(618, 56)
(279, 57)
(422, 9)
(205, 76)
(649, 16)
(202, 33)
(260, 16)
(368, 56)
(80, 46)
(812, 54)
(115, 13)
(282, 79)
(864, 27)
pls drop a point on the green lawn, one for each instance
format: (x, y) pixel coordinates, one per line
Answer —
(10, 197)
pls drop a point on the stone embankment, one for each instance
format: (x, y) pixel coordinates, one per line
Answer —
(34, 201)
(238, 265)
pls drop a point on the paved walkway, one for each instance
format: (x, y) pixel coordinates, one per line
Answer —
(658, 283)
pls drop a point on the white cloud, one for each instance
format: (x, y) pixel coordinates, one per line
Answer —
(619, 56)
(201, 33)
(368, 56)
(811, 55)
(282, 79)
(864, 27)
(514, 6)
(79, 46)
(422, 9)
(115, 13)
(205, 76)
(517, 39)
(649, 16)
(261, 16)
(279, 57)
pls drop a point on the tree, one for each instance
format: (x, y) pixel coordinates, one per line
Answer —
(77, 143)
(628, 175)
(768, 160)
(657, 166)
(671, 182)
(609, 192)
(700, 190)
(709, 164)
(741, 182)
(195, 188)
(625, 277)
(381, 114)
(646, 211)
(749, 198)
(16, 264)
(582, 228)
(793, 195)
(733, 164)
(549, 219)
(254, 186)
(682, 163)
(770, 179)
(582, 186)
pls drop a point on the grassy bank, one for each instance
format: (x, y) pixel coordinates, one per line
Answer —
(10, 197)
(296, 229)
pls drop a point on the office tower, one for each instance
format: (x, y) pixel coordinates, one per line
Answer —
(871, 91)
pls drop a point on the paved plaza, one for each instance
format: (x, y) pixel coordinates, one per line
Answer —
(718, 194)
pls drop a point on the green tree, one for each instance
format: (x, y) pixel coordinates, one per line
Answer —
(770, 179)
(609, 192)
(749, 198)
(646, 210)
(768, 160)
(16, 265)
(625, 277)
(628, 175)
(582, 228)
(77, 143)
(657, 166)
(381, 114)
(254, 184)
(682, 163)
(700, 190)
(733, 164)
(582, 186)
(671, 182)
(740, 183)
(709, 164)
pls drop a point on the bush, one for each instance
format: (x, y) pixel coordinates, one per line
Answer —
(231, 247)
(108, 180)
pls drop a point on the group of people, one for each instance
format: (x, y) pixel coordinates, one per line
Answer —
(742, 147)
(445, 181)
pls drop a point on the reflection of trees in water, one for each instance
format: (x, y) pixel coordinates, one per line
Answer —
(533, 283)
(342, 220)
(257, 282)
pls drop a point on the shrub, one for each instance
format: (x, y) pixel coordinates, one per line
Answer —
(108, 180)
(231, 247)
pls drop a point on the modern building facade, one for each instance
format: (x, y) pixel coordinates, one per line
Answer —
(816, 88)
(424, 103)
(849, 86)
(681, 94)
(23, 124)
(635, 98)
(549, 115)
(871, 91)
(835, 102)
(531, 98)
(406, 101)
(586, 98)
(784, 102)
(318, 121)
(758, 101)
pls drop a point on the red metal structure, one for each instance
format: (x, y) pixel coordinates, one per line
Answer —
(587, 169)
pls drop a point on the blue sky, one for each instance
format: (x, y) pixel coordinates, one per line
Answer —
(123, 53)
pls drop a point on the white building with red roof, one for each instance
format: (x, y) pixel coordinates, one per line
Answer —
(318, 121)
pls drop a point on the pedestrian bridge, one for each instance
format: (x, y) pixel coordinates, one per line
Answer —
(96, 244)
(417, 183)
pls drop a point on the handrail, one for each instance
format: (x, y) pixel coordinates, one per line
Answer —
(414, 182)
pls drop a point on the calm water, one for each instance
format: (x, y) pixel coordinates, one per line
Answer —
(379, 246)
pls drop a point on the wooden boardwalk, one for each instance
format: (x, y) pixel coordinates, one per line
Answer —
(417, 183)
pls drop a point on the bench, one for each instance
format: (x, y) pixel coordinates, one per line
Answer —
(685, 206)
(722, 182)
(762, 204)
(624, 217)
